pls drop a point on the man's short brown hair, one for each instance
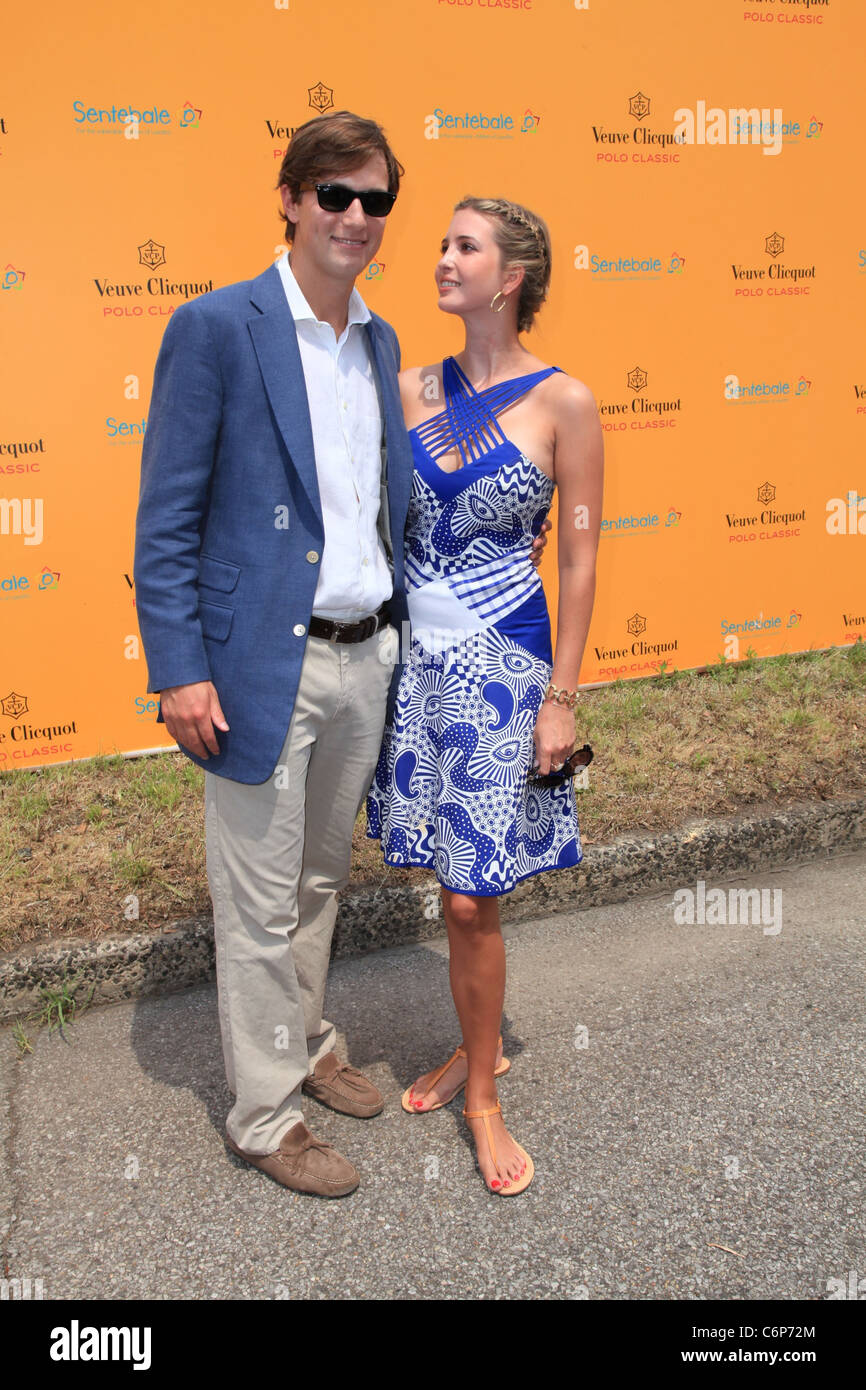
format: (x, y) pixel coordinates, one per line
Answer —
(334, 144)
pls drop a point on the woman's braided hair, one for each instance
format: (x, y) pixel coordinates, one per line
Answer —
(524, 240)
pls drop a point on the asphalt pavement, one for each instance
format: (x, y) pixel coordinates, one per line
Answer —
(692, 1095)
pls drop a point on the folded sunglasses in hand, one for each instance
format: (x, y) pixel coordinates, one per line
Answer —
(580, 758)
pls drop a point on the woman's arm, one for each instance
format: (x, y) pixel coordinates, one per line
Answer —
(579, 472)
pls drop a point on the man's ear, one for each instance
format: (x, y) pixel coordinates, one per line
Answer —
(290, 207)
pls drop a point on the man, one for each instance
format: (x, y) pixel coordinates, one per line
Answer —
(263, 565)
(276, 475)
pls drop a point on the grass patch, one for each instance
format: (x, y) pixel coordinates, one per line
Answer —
(60, 1007)
(79, 842)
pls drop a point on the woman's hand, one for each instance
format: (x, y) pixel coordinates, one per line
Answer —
(554, 737)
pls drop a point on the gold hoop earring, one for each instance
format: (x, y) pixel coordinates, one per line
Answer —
(497, 308)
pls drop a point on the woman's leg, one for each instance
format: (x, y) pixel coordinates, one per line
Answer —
(477, 977)
(477, 969)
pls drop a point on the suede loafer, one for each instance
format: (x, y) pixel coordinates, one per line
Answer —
(343, 1088)
(305, 1163)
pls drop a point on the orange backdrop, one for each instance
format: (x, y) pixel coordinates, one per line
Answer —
(708, 283)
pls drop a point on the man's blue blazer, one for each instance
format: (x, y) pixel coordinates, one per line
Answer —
(229, 513)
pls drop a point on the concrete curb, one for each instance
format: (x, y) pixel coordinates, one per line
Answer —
(127, 965)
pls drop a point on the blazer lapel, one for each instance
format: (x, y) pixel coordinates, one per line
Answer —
(275, 341)
(398, 454)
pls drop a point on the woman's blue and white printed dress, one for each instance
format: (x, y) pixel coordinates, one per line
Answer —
(450, 790)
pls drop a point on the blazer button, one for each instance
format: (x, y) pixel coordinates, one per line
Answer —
(299, 629)
(312, 556)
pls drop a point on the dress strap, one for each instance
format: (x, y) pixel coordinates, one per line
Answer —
(469, 421)
(497, 398)
(475, 429)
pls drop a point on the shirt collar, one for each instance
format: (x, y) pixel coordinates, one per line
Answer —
(358, 311)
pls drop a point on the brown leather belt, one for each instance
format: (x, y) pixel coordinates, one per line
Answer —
(334, 631)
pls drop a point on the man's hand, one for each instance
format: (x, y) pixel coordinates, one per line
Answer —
(539, 543)
(191, 712)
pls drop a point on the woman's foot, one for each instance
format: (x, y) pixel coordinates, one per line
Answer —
(423, 1096)
(511, 1162)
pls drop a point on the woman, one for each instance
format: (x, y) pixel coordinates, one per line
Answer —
(494, 431)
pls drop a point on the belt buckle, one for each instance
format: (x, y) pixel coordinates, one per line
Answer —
(341, 630)
(363, 629)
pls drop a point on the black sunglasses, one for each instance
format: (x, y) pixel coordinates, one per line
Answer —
(580, 758)
(337, 197)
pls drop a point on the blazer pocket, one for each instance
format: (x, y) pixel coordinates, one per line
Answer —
(215, 619)
(217, 574)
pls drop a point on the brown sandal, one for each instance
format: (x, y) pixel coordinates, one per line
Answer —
(518, 1184)
(406, 1098)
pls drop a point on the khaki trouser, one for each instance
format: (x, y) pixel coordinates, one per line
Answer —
(277, 854)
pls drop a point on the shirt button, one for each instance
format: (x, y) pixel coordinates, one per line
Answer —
(312, 556)
(299, 629)
(365, 561)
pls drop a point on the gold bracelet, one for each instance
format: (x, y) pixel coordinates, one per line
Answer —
(558, 696)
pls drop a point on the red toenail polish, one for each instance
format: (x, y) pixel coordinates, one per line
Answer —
(496, 1183)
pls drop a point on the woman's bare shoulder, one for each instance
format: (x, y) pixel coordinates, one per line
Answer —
(420, 385)
(418, 376)
(572, 399)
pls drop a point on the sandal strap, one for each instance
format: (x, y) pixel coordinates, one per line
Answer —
(482, 1115)
(459, 1051)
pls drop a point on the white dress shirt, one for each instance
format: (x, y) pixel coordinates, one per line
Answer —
(354, 576)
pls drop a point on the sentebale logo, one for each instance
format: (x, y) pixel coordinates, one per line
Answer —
(763, 391)
(190, 116)
(640, 523)
(641, 265)
(479, 125)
